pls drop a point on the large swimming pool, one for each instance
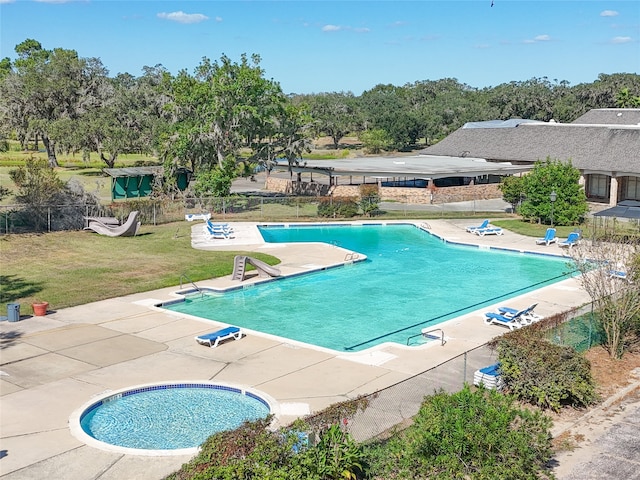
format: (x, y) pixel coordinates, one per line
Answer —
(410, 280)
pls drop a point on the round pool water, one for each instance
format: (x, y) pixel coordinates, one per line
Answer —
(166, 419)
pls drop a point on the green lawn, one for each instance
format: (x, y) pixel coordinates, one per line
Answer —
(76, 267)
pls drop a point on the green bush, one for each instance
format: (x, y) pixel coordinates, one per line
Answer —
(469, 434)
(544, 374)
(338, 207)
(369, 199)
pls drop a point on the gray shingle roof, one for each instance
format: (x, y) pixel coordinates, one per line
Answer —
(610, 116)
(593, 148)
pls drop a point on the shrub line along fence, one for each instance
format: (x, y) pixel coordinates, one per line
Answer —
(392, 408)
(49, 218)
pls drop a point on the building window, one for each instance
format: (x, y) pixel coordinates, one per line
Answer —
(598, 186)
(631, 190)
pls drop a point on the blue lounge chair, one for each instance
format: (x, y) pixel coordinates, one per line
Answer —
(219, 231)
(484, 224)
(572, 239)
(488, 231)
(489, 377)
(526, 314)
(512, 323)
(618, 274)
(549, 238)
(214, 338)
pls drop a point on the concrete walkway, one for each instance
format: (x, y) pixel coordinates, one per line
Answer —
(52, 365)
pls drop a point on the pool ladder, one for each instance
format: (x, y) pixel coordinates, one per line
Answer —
(185, 277)
(427, 334)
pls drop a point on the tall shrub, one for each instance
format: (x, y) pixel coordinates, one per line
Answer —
(544, 374)
(468, 434)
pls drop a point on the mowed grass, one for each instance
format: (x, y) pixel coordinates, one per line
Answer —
(77, 267)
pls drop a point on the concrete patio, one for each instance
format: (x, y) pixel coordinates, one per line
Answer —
(52, 365)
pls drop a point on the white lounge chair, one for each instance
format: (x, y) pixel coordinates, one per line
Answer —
(512, 323)
(572, 239)
(488, 231)
(214, 338)
(489, 377)
(484, 224)
(549, 238)
(525, 315)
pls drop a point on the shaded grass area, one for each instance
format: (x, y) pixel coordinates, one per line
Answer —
(77, 267)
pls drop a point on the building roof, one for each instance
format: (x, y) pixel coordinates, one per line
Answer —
(625, 209)
(591, 148)
(417, 166)
(133, 171)
(610, 116)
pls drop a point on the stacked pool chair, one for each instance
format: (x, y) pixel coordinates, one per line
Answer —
(489, 377)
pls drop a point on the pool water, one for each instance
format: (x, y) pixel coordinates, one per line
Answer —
(410, 280)
(168, 418)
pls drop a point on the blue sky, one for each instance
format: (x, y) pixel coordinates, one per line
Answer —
(327, 46)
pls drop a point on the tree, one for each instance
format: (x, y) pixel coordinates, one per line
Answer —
(335, 114)
(39, 189)
(562, 178)
(226, 106)
(624, 99)
(512, 189)
(46, 87)
(386, 107)
(376, 140)
(616, 301)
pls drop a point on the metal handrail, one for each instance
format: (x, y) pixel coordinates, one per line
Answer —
(185, 277)
(351, 256)
(426, 334)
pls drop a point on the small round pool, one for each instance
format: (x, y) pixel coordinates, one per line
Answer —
(166, 418)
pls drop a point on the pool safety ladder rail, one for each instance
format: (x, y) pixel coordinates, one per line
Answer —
(351, 256)
(185, 277)
(428, 334)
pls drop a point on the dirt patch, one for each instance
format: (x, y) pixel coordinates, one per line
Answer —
(576, 432)
(611, 376)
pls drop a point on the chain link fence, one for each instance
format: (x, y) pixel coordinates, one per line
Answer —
(49, 218)
(392, 409)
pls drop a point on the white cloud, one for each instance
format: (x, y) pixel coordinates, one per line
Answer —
(337, 28)
(538, 39)
(331, 28)
(617, 40)
(7, 1)
(609, 13)
(182, 17)
(218, 19)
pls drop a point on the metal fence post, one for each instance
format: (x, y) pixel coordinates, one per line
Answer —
(464, 370)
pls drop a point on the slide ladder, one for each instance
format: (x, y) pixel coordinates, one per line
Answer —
(240, 268)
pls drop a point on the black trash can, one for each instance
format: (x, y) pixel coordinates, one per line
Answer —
(13, 312)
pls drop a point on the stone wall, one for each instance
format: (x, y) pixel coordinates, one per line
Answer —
(396, 194)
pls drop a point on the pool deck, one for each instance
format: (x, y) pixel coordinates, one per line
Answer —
(52, 365)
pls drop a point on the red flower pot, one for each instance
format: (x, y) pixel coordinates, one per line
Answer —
(40, 309)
